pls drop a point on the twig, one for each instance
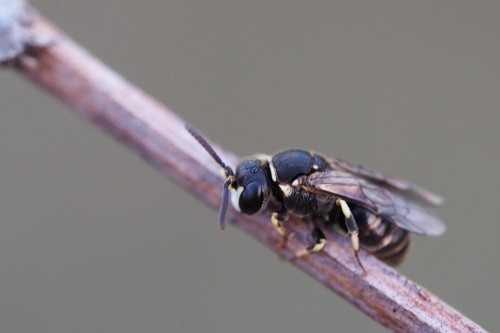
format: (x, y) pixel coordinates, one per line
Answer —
(158, 135)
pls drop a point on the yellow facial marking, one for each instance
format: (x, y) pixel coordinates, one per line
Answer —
(235, 197)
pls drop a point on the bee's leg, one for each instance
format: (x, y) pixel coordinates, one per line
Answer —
(319, 243)
(352, 229)
(277, 219)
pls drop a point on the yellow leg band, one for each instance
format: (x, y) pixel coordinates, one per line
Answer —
(277, 225)
(316, 248)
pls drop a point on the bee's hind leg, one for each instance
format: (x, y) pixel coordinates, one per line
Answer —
(352, 229)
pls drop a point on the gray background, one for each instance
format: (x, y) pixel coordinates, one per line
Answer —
(94, 240)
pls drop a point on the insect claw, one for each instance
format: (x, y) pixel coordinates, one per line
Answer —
(365, 273)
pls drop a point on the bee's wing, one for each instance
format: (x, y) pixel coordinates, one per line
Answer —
(402, 205)
(410, 190)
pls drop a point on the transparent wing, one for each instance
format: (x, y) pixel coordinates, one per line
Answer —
(397, 201)
(408, 189)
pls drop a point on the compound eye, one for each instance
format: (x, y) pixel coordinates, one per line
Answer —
(251, 198)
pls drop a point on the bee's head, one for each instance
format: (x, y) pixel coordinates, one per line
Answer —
(250, 192)
(249, 187)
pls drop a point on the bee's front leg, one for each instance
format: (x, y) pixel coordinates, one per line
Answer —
(277, 219)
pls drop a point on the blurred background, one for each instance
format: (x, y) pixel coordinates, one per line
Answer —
(92, 239)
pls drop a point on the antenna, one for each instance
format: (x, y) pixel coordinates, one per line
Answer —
(228, 172)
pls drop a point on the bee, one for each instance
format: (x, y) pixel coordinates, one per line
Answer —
(374, 210)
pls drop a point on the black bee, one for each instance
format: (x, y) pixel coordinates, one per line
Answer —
(375, 210)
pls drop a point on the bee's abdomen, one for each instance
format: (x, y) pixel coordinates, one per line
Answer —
(384, 239)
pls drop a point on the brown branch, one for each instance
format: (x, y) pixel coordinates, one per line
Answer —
(158, 135)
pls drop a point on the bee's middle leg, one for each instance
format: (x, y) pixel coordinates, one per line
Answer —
(319, 240)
